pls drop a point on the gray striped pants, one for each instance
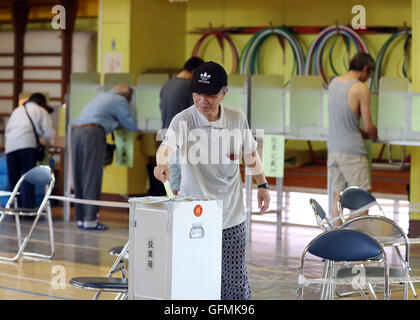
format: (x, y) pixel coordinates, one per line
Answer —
(88, 152)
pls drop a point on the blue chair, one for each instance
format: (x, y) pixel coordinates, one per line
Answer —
(40, 175)
(344, 246)
(321, 217)
(4, 180)
(389, 234)
(386, 231)
(325, 224)
(357, 201)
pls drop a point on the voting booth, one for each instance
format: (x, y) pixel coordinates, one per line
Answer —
(175, 248)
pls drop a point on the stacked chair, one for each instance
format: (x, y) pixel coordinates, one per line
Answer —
(108, 283)
(381, 229)
(343, 246)
(41, 176)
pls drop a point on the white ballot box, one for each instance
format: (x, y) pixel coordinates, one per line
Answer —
(175, 248)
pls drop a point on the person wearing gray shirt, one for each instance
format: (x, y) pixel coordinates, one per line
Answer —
(210, 167)
(174, 98)
(101, 116)
(348, 100)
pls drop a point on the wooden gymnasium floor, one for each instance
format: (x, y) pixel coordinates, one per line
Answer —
(273, 264)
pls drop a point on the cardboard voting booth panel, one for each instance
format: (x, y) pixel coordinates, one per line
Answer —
(393, 113)
(268, 104)
(149, 117)
(308, 108)
(237, 95)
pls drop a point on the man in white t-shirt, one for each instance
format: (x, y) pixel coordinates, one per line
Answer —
(210, 138)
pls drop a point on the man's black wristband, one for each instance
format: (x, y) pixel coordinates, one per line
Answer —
(264, 185)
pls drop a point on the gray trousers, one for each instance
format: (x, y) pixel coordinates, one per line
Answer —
(88, 146)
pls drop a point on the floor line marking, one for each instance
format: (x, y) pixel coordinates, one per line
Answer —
(41, 227)
(29, 279)
(58, 243)
(35, 293)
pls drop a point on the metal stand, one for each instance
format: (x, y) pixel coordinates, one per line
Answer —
(248, 207)
(248, 202)
(67, 178)
(279, 189)
(330, 195)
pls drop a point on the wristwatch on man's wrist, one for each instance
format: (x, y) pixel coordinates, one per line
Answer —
(263, 186)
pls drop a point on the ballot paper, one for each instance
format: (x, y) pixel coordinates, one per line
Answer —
(168, 190)
(149, 199)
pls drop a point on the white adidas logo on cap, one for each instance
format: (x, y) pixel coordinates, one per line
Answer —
(204, 78)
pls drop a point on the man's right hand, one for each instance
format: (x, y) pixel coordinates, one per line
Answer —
(161, 172)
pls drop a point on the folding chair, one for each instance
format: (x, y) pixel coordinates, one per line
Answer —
(121, 267)
(358, 200)
(321, 217)
(40, 175)
(343, 245)
(388, 233)
(108, 283)
(325, 224)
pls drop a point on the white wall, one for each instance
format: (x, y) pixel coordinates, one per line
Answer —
(83, 60)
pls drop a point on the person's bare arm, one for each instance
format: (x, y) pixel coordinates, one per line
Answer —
(369, 130)
(163, 155)
(253, 162)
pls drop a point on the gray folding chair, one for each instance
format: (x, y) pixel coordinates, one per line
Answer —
(40, 175)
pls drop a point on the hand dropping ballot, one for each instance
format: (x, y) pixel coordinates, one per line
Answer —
(168, 189)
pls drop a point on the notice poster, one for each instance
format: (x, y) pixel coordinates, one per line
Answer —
(273, 155)
(124, 150)
(113, 63)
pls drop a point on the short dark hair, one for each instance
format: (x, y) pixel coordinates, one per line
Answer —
(360, 60)
(192, 64)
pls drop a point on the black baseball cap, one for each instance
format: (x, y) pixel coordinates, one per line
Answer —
(208, 78)
(40, 100)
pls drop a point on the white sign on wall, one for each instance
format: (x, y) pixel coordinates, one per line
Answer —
(113, 62)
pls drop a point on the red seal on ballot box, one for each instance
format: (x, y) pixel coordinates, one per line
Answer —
(198, 210)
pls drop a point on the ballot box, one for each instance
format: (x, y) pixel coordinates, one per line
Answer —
(175, 248)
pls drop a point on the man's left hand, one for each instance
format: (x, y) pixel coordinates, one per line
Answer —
(263, 199)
